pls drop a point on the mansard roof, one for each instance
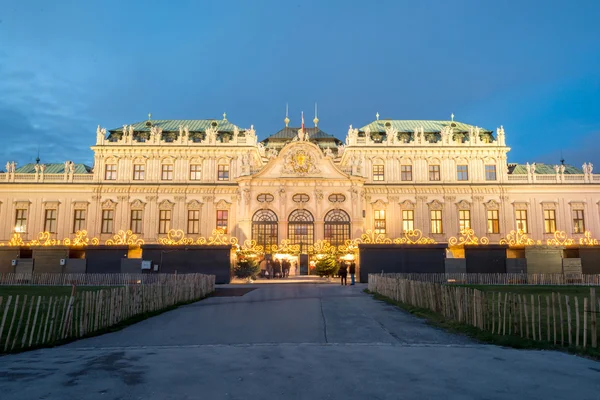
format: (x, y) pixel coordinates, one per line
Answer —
(289, 133)
(172, 125)
(410, 125)
(521, 169)
(53, 168)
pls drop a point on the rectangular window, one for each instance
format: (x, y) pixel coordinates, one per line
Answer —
(578, 221)
(78, 220)
(380, 221)
(139, 171)
(493, 222)
(107, 221)
(434, 172)
(406, 172)
(21, 220)
(521, 217)
(408, 220)
(136, 221)
(195, 172)
(549, 221)
(164, 221)
(462, 172)
(222, 220)
(50, 221)
(166, 172)
(464, 219)
(436, 221)
(490, 172)
(110, 172)
(223, 172)
(193, 221)
(378, 172)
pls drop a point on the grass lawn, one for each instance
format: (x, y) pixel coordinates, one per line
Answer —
(58, 293)
(6, 291)
(485, 336)
(542, 295)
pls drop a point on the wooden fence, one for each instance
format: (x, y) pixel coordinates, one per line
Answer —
(503, 279)
(34, 321)
(83, 279)
(565, 320)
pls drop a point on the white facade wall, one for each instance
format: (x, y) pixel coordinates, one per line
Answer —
(252, 172)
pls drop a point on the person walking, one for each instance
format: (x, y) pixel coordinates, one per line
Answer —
(352, 271)
(343, 274)
(269, 269)
(286, 268)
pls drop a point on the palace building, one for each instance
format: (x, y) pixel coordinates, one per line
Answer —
(388, 177)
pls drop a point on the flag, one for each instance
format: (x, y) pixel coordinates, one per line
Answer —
(302, 121)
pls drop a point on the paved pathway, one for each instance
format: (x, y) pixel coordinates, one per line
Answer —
(292, 341)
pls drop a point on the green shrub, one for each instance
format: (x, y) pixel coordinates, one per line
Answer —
(246, 268)
(326, 266)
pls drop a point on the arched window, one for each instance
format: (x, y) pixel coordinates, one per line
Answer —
(337, 227)
(264, 229)
(301, 227)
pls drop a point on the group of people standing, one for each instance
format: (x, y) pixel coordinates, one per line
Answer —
(275, 268)
(345, 268)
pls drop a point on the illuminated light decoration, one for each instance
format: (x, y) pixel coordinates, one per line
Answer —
(252, 247)
(322, 247)
(125, 238)
(286, 247)
(81, 239)
(467, 237)
(249, 249)
(588, 240)
(350, 246)
(44, 239)
(370, 237)
(218, 238)
(175, 237)
(518, 238)
(414, 236)
(560, 239)
(15, 240)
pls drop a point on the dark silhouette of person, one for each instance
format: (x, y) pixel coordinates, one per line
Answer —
(352, 271)
(343, 274)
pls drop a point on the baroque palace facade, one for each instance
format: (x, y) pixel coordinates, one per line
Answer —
(390, 177)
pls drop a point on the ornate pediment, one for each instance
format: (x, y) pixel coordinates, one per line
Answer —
(492, 205)
(435, 205)
(577, 205)
(223, 205)
(379, 205)
(140, 160)
(549, 205)
(108, 204)
(22, 204)
(520, 205)
(194, 205)
(300, 162)
(407, 205)
(80, 205)
(463, 205)
(51, 204)
(166, 205)
(137, 204)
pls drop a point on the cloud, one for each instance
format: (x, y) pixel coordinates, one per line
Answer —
(42, 112)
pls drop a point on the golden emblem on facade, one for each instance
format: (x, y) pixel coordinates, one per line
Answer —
(300, 162)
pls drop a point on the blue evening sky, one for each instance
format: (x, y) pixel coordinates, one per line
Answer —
(531, 66)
